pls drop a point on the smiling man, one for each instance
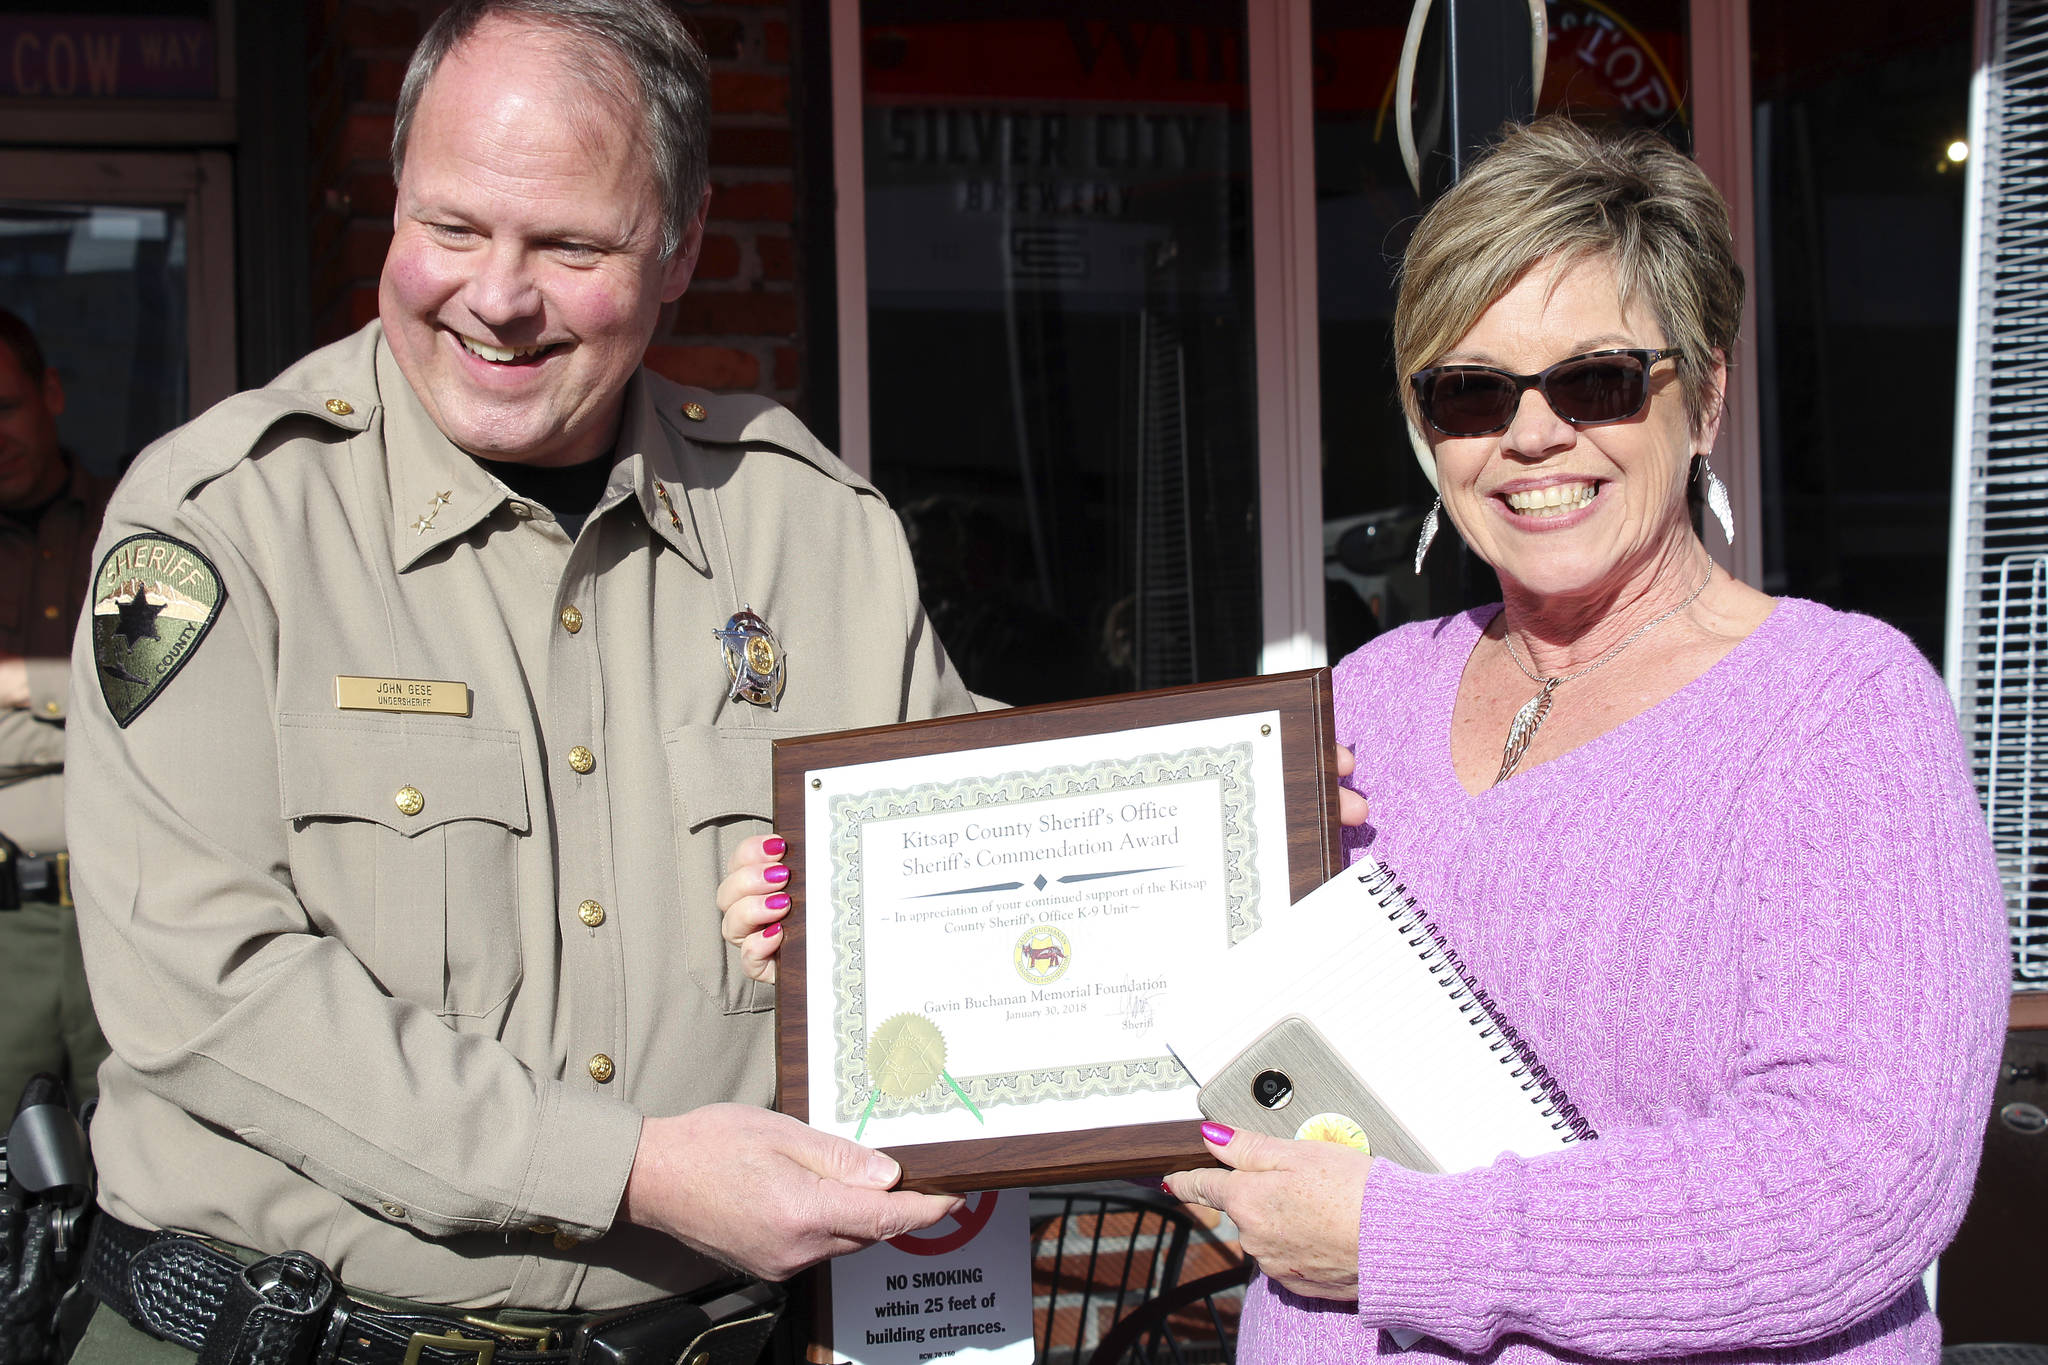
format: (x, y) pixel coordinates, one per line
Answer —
(434, 690)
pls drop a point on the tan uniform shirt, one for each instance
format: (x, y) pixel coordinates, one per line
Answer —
(44, 565)
(419, 1045)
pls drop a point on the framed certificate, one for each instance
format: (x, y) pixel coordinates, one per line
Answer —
(984, 907)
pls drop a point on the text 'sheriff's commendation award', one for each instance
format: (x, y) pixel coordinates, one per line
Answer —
(984, 909)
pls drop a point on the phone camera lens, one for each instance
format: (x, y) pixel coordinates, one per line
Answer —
(1272, 1088)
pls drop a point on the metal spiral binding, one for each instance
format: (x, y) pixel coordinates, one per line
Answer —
(1435, 952)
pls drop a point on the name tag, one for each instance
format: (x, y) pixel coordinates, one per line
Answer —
(425, 696)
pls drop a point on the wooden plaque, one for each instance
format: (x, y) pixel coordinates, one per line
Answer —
(1308, 795)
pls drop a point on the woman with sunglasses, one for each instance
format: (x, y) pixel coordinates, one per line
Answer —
(1717, 857)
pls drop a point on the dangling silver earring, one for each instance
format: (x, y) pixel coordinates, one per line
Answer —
(1429, 525)
(1717, 499)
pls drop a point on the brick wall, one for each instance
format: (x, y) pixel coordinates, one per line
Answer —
(739, 325)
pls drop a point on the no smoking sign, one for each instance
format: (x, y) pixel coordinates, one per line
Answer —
(952, 1232)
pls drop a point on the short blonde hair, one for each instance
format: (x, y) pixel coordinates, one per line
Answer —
(1557, 190)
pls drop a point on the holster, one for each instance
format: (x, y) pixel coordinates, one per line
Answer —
(729, 1329)
(275, 1313)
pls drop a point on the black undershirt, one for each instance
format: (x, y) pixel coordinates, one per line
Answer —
(570, 492)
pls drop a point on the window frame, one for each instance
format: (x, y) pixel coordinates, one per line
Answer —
(1280, 62)
(197, 182)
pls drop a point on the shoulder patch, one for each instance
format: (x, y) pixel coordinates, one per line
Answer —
(153, 600)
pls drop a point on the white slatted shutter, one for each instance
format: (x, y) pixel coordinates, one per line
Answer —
(1997, 662)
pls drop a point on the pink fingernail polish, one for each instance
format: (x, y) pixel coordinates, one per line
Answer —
(776, 875)
(778, 901)
(771, 931)
(774, 846)
(1218, 1134)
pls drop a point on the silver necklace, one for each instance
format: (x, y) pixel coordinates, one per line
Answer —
(1530, 718)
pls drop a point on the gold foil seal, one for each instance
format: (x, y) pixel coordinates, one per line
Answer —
(906, 1056)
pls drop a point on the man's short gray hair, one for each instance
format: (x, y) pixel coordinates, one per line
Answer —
(643, 59)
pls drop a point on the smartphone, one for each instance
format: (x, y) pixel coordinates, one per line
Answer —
(1291, 1083)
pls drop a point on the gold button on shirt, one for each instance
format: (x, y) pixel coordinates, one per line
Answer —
(591, 913)
(392, 1011)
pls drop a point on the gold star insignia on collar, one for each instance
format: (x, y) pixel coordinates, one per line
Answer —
(426, 521)
(661, 491)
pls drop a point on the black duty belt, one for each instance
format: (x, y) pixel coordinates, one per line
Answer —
(288, 1309)
(23, 878)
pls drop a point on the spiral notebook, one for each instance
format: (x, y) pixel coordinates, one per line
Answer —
(1362, 962)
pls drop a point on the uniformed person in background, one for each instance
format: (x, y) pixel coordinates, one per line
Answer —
(425, 695)
(50, 508)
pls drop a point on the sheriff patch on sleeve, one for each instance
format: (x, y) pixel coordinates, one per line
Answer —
(153, 600)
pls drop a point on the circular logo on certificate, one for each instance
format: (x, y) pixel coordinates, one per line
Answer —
(1042, 955)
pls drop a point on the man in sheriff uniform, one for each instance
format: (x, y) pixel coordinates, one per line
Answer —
(425, 695)
(50, 508)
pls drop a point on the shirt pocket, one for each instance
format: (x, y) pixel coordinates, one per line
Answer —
(721, 785)
(443, 881)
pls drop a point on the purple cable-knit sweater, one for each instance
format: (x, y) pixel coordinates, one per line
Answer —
(1757, 933)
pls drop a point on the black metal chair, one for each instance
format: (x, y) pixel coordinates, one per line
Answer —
(1101, 1253)
(1194, 1323)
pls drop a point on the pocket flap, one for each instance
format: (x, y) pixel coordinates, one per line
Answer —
(722, 772)
(328, 767)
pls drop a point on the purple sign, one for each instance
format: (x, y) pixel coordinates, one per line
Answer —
(105, 58)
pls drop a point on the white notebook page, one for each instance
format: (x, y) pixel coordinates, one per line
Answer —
(1339, 959)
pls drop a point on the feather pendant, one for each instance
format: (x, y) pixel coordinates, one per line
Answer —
(1528, 721)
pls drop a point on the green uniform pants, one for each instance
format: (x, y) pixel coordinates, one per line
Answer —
(111, 1339)
(46, 1018)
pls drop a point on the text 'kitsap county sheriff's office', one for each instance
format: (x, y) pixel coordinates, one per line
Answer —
(929, 851)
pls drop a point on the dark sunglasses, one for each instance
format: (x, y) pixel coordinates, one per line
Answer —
(1478, 400)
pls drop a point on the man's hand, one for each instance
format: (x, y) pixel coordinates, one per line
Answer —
(13, 680)
(766, 1193)
(1296, 1206)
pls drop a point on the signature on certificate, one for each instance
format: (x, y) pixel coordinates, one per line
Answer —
(1137, 1013)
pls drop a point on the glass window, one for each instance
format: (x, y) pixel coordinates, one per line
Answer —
(104, 288)
(1606, 61)
(1060, 335)
(1859, 244)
